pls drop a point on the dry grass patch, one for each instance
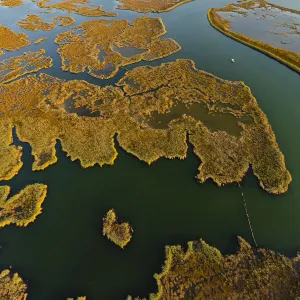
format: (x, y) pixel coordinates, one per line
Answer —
(79, 7)
(22, 208)
(35, 22)
(29, 62)
(150, 6)
(119, 233)
(202, 272)
(12, 41)
(81, 51)
(12, 287)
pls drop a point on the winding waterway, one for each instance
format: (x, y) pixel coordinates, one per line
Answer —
(63, 253)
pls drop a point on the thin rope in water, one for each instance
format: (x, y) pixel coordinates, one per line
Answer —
(248, 217)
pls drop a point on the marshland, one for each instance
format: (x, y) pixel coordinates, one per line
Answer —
(62, 252)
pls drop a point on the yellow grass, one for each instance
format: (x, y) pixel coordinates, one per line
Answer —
(75, 6)
(12, 287)
(17, 66)
(80, 52)
(41, 119)
(22, 208)
(118, 233)
(12, 41)
(202, 272)
(35, 22)
(150, 6)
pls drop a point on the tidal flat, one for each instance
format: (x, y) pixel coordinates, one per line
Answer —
(162, 202)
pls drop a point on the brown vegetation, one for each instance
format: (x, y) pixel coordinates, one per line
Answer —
(124, 111)
(35, 22)
(12, 41)
(119, 233)
(287, 57)
(38, 41)
(12, 286)
(10, 155)
(150, 6)
(81, 51)
(22, 208)
(11, 3)
(29, 62)
(202, 272)
(75, 6)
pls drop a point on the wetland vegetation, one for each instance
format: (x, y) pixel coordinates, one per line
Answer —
(42, 111)
(12, 286)
(151, 6)
(279, 28)
(119, 233)
(202, 272)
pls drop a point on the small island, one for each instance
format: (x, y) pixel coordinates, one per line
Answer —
(35, 22)
(119, 233)
(79, 7)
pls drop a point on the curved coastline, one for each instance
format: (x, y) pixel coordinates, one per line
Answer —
(286, 57)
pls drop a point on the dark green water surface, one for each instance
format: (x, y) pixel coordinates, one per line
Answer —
(63, 253)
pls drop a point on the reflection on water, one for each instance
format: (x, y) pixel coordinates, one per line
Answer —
(213, 120)
(128, 51)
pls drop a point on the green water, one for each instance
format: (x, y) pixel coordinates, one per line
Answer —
(64, 253)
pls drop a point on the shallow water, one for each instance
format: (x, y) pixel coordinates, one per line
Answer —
(272, 26)
(214, 120)
(64, 253)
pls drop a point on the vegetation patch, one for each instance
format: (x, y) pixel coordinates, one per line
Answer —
(35, 22)
(22, 208)
(35, 105)
(10, 155)
(38, 41)
(12, 287)
(77, 7)
(11, 3)
(287, 57)
(151, 6)
(27, 63)
(202, 272)
(93, 48)
(12, 41)
(119, 233)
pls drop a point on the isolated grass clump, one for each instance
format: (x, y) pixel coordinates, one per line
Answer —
(119, 233)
